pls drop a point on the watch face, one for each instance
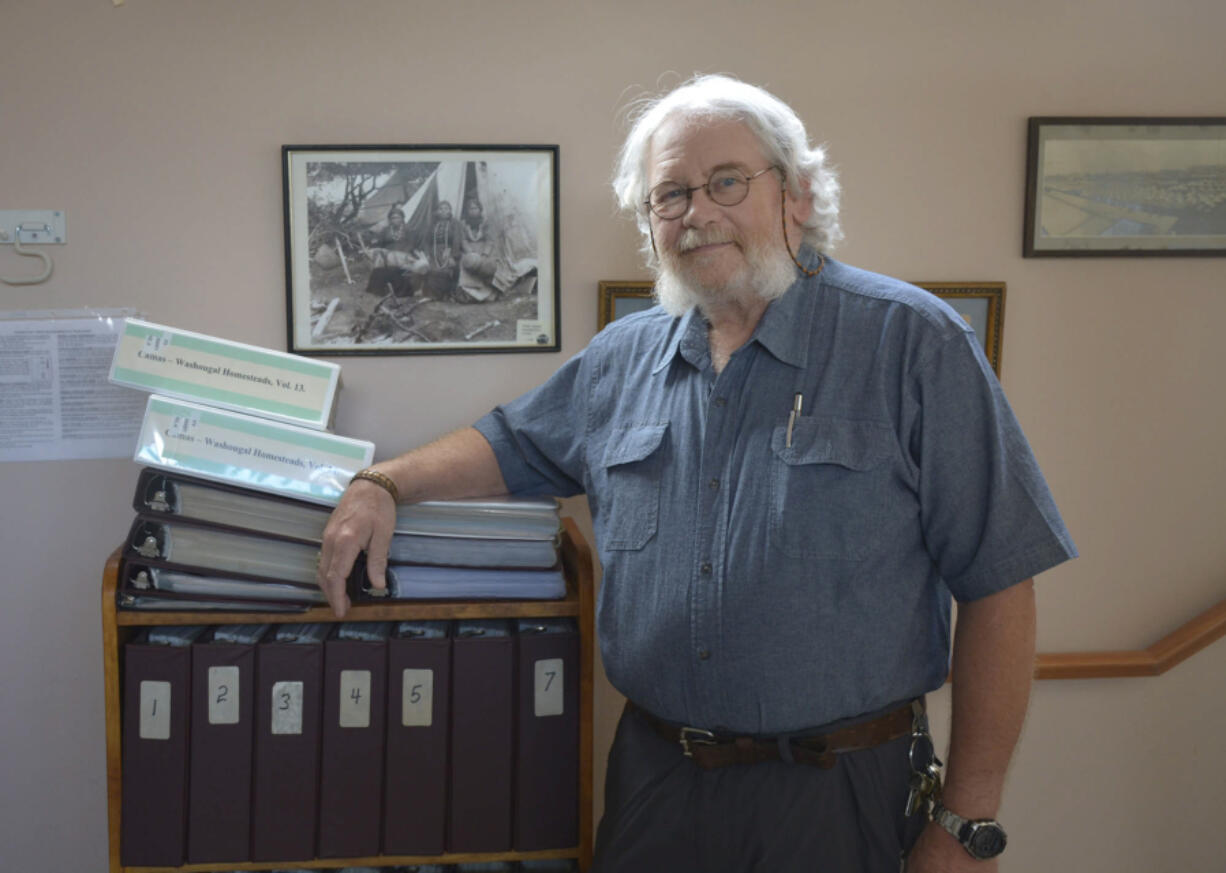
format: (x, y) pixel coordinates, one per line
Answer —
(987, 841)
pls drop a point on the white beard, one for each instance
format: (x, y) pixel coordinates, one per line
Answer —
(767, 275)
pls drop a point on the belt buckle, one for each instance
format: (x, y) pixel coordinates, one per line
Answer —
(689, 735)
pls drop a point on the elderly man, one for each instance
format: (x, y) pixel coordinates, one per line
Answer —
(792, 465)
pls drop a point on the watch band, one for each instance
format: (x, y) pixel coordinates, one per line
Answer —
(383, 480)
(983, 838)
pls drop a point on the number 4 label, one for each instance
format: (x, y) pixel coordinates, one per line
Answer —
(548, 699)
(355, 699)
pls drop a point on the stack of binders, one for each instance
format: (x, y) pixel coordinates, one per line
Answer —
(245, 743)
(242, 475)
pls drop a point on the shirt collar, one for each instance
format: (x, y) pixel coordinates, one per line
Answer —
(783, 330)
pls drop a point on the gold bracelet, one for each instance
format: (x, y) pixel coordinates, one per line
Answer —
(383, 480)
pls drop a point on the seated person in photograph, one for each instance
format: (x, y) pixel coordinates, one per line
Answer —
(395, 266)
(441, 246)
(794, 467)
(478, 253)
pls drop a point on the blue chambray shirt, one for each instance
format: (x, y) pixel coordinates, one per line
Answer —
(758, 586)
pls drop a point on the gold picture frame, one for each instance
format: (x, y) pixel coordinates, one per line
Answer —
(982, 304)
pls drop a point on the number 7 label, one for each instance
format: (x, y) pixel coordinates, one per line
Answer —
(548, 697)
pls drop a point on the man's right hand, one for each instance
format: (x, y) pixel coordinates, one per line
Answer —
(364, 519)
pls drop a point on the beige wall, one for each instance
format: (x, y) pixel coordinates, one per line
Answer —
(157, 126)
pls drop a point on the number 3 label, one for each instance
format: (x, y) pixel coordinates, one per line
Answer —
(417, 698)
(286, 708)
(548, 687)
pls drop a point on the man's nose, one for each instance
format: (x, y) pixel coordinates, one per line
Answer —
(701, 209)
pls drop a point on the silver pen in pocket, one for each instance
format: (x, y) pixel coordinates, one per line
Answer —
(798, 401)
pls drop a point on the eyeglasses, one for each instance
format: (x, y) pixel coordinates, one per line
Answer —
(726, 187)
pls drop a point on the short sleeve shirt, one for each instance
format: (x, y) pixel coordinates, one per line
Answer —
(765, 572)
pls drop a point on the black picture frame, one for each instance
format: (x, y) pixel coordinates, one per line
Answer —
(1111, 186)
(484, 279)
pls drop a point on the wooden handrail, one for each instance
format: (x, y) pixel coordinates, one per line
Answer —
(1173, 649)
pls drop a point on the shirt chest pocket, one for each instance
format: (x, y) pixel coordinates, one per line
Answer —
(829, 487)
(630, 505)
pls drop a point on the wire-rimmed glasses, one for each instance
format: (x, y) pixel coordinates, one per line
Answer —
(726, 186)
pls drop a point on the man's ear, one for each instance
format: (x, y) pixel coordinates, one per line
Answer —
(798, 207)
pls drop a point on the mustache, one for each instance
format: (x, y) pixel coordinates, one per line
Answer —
(694, 237)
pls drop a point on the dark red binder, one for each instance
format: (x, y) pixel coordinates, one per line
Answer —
(418, 707)
(289, 667)
(482, 680)
(156, 691)
(352, 741)
(219, 795)
(547, 735)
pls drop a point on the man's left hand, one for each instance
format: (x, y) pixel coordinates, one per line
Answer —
(936, 851)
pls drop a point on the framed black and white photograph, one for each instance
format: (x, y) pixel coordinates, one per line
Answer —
(618, 298)
(421, 249)
(982, 306)
(1125, 186)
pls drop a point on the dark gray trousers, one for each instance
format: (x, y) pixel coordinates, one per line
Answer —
(665, 813)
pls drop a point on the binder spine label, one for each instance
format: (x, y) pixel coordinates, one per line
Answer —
(223, 695)
(548, 698)
(220, 372)
(255, 453)
(355, 699)
(286, 708)
(154, 710)
(417, 698)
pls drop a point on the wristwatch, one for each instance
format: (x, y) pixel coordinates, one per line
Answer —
(983, 838)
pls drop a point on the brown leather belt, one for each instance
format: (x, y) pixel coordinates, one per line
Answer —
(710, 750)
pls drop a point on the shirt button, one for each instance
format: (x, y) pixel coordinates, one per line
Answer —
(720, 401)
(713, 484)
(703, 654)
(705, 569)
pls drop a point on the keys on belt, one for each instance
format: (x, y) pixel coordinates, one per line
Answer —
(925, 781)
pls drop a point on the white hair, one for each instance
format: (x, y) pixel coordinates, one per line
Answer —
(774, 123)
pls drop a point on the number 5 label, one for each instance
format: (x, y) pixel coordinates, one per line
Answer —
(417, 698)
(548, 687)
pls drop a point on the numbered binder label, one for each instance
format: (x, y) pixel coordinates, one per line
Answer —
(223, 695)
(154, 710)
(355, 699)
(417, 698)
(286, 708)
(547, 699)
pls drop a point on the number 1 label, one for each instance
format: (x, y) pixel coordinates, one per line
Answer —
(154, 710)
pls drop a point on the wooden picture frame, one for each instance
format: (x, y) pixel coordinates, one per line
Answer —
(421, 249)
(1125, 187)
(618, 298)
(982, 304)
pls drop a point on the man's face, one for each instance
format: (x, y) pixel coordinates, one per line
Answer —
(719, 252)
(396, 219)
(473, 210)
(443, 212)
